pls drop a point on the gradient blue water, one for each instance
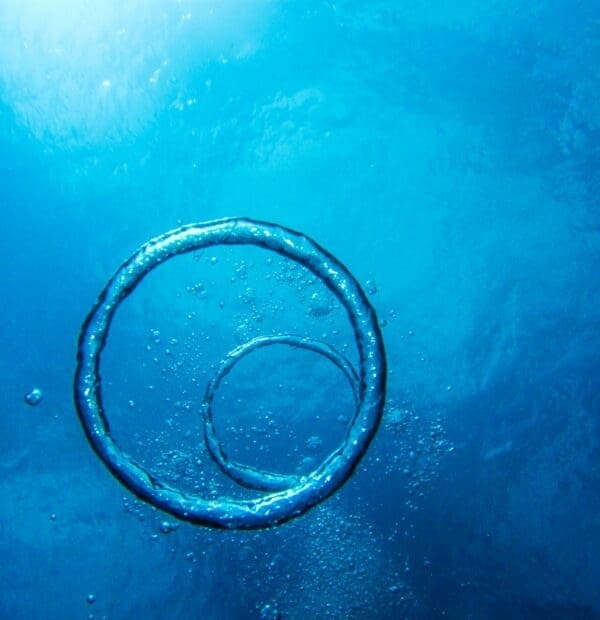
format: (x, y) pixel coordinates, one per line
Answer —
(447, 153)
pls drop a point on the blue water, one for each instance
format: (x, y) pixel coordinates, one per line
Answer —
(449, 155)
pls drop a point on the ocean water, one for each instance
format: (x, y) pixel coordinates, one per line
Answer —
(448, 154)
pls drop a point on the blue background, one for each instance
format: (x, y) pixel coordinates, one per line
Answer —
(447, 152)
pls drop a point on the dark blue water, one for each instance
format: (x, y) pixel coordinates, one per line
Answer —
(449, 155)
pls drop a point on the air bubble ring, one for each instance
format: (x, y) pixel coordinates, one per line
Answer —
(250, 477)
(226, 512)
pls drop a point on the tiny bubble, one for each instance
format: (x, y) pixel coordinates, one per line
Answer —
(34, 397)
(371, 287)
(166, 527)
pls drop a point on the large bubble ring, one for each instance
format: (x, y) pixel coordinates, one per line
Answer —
(275, 506)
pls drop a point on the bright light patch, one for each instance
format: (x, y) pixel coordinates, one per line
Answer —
(82, 73)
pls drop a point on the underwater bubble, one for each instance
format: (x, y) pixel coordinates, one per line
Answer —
(371, 287)
(241, 270)
(314, 442)
(318, 306)
(248, 296)
(34, 397)
(242, 332)
(269, 612)
(91, 598)
(166, 527)
(396, 416)
(307, 464)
